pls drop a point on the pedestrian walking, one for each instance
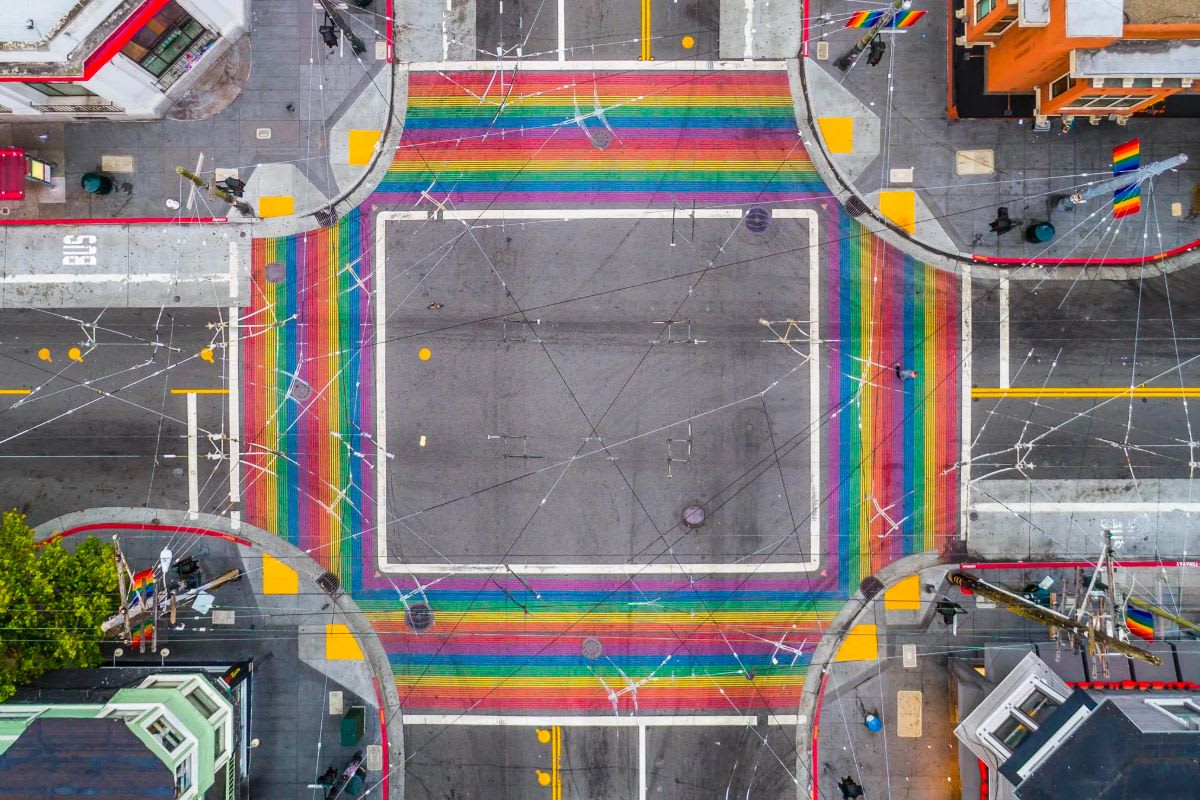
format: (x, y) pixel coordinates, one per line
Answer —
(949, 611)
(850, 788)
(1003, 223)
(875, 54)
(902, 374)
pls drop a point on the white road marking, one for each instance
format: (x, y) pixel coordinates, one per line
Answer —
(192, 190)
(748, 31)
(598, 721)
(193, 467)
(234, 365)
(699, 568)
(1003, 333)
(43, 278)
(964, 421)
(602, 66)
(562, 30)
(1049, 507)
(234, 264)
(380, 390)
(642, 762)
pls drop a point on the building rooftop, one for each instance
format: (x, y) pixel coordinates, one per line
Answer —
(1161, 12)
(1164, 58)
(105, 760)
(1095, 18)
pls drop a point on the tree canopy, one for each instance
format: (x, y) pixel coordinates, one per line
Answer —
(52, 603)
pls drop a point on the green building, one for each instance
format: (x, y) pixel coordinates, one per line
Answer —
(171, 737)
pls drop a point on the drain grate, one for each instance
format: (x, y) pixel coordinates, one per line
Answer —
(870, 586)
(855, 207)
(327, 217)
(757, 219)
(329, 582)
(419, 617)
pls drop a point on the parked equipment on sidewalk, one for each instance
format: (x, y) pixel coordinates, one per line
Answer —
(349, 782)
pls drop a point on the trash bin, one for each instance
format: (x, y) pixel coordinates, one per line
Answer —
(95, 183)
(353, 725)
(1039, 233)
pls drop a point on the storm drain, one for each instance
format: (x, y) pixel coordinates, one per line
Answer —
(419, 617)
(855, 207)
(329, 582)
(870, 586)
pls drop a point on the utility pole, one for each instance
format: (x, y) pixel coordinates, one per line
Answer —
(122, 596)
(1068, 202)
(847, 60)
(240, 205)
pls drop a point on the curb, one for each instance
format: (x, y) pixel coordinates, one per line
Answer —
(960, 263)
(113, 518)
(814, 684)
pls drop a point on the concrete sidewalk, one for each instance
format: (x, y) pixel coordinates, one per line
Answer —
(310, 649)
(885, 131)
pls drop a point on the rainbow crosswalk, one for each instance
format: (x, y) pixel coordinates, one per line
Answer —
(728, 644)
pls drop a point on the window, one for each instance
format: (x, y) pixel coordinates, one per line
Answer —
(1038, 706)
(183, 776)
(202, 703)
(983, 8)
(1023, 719)
(166, 734)
(1012, 732)
(164, 39)
(1113, 101)
(1061, 85)
(1185, 712)
(129, 714)
(61, 89)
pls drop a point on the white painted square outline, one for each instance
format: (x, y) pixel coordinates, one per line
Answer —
(814, 372)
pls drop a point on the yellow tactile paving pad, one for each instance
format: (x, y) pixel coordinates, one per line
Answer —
(838, 133)
(904, 596)
(278, 578)
(362, 147)
(900, 206)
(283, 205)
(340, 644)
(860, 644)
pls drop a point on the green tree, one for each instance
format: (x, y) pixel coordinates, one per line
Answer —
(52, 603)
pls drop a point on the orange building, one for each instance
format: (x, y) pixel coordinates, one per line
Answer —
(1086, 58)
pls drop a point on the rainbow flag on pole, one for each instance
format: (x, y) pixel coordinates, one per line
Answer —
(141, 587)
(1127, 201)
(869, 19)
(1140, 622)
(1127, 157)
(142, 631)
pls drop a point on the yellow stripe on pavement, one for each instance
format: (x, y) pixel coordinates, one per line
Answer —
(646, 30)
(15, 391)
(199, 391)
(1084, 392)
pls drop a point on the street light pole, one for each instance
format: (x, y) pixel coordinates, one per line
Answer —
(847, 60)
(1067, 202)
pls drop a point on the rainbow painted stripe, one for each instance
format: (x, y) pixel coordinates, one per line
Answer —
(1127, 201)
(889, 459)
(305, 412)
(869, 19)
(1127, 157)
(478, 138)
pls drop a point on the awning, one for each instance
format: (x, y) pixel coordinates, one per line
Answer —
(12, 174)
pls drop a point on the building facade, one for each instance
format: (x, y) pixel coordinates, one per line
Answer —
(115, 59)
(1085, 58)
(182, 720)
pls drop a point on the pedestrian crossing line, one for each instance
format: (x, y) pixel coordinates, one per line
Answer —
(1082, 392)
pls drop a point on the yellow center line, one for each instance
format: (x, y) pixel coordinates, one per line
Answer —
(15, 391)
(555, 770)
(199, 391)
(645, 30)
(1084, 392)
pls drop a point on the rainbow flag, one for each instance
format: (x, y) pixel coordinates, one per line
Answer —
(141, 587)
(142, 631)
(869, 19)
(1140, 622)
(1127, 201)
(1127, 157)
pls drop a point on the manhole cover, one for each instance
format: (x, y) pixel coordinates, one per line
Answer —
(276, 272)
(419, 617)
(870, 586)
(757, 219)
(600, 138)
(592, 649)
(300, 390)
(693, 516)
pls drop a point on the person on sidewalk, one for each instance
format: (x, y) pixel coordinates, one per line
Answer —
(902, 374)
(1003, 223)
(875, 54)
(850, 788)
(949, 611)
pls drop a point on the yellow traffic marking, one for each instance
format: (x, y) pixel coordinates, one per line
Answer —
(1083, 392)
(362, 147)
(646, 31)
(553, 779)
(75, 354)
(900, 206)
(283, 205)
(904, 596)
(543, 777)
(860, 644)
(340, 644)
(44, 354)
(199, 391)
(15, 391)
(206, 354)
(279, 578)
(838, 133)
(688, 42)
(424, 354)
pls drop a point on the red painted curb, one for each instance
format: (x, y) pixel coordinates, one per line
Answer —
(382, 735)
(1095, 262)
(114, 221)
(985, 565)
(140, 526)
(815, 729)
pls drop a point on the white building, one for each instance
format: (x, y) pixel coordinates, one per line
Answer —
(115, 59)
